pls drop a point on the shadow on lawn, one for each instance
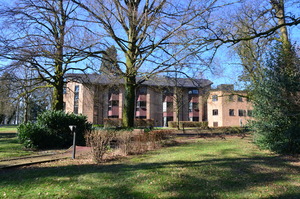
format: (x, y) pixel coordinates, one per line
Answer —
(8, 135)
(197, 179)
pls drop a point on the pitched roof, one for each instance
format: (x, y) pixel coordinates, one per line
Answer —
(105, 79)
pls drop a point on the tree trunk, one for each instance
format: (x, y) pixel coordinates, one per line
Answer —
(278, 6)
(129, 102)
(26, 110)
(57, 101)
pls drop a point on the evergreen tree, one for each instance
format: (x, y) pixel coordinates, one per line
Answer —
(109, 63)
(276, 103)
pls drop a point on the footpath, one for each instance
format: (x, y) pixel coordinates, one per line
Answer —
(35, 159)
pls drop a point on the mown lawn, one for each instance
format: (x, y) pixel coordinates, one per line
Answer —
(8, 129)
(207, 168)
(9, 146)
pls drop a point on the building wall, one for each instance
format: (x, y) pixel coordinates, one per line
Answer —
(87, 102)
(223, 105)
(94, 103)
(154, 106)
(69, 97)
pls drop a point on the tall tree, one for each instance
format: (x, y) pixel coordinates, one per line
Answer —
(276, 103)
(8, 105)
(109, 61)
(153, 35)
(44, 36)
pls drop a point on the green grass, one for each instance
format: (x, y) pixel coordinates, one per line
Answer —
(209, 168)
(9, 147)
(8, 129)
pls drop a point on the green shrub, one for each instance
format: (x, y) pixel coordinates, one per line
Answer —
(32, 135)
(52, 130)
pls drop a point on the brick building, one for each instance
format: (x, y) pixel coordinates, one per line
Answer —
(161, 99)
(227, 107)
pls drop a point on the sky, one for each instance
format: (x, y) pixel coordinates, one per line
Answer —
(228, 70)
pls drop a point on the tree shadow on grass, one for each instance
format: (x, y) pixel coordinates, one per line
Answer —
(212, 178)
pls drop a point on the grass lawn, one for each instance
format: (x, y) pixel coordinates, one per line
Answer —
(9, 146)
(8, 129)
(206, 168)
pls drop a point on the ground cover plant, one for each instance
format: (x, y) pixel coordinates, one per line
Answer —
(201, 168)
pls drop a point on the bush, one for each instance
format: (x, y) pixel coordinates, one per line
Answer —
(172, 124)
(52, 130)
(129, 142)
(116, 122)
(112, 122)
(188, 124)
(100, 140)
(32, 135)
(144, 123)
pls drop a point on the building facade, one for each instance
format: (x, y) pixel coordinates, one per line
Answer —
(227, 107)
(161, 99)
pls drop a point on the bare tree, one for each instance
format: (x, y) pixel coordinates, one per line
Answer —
(153, 35)
(44, 36)
(254, 27)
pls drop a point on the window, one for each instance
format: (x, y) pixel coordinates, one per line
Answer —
(76, 98)
(75, 109)
(215, 112)
(193, 106)
(113, 90)
(112, 103)
(113, 116)
(167, 91)
(193, 92)
(195, 118)
(215, 98)
(215, 124)
(76, 88)
(240, 99)
(242, 112)
(141, 117)
(142, 90)
(230, 98)
(167, 106)
(141, 105)
(65, 89)
(231, 112)
(250, 113)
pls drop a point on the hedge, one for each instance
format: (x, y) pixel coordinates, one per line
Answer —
(188, 124)
(117, 122)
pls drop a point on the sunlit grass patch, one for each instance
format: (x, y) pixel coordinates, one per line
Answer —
(8, 129)
(207, 168)
(10, 147)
